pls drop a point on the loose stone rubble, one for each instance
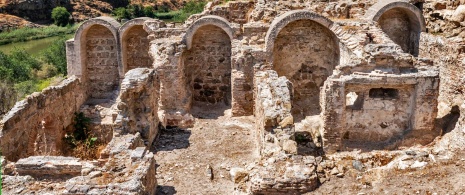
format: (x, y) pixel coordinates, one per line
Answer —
(334, 87)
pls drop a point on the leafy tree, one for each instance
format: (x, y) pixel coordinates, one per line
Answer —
(55, 55)
(193, 7)
(149, 12)
(60, 16)
(121, 13)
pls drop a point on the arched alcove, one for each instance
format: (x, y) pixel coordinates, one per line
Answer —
(135, 45)
(96, 46)
(401, 21)
(304, 50)
(208, 66)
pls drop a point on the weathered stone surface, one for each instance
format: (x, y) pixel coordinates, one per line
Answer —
(48, 166)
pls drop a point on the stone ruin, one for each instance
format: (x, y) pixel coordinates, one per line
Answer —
(336, 76)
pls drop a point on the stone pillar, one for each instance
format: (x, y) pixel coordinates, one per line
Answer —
(242, 79)
(332, 104)
(71, 59)
(166, 53)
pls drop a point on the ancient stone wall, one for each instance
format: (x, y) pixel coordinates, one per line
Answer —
(376, 114)
(272, 111)
(135, 48)
(208, 66)
(36, 125)
(306, 54)
(370, 113)
(101, 62)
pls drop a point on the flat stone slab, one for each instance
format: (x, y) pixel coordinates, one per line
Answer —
(45, 166)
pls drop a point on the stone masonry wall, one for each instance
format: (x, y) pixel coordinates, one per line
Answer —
(138, 104)
(306, 54)
(101, 62)
(137, 47)
(208, 66)
(36, 125)
(362, 122)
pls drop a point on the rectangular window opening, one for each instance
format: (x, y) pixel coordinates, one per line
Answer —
(384, 93)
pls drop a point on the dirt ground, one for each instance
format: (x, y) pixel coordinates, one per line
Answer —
(216, 140)
(446, 177)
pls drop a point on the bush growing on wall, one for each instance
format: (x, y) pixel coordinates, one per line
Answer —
(60, 16)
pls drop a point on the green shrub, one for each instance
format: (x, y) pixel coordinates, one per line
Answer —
(121, 13)
(55, 55)
(81, 132)
(149, 12)
(194, 7)
(8, 96)
(60, 16)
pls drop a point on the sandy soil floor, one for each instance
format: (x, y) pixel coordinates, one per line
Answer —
(217, 140)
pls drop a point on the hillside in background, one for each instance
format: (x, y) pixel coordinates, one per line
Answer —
(20, 13)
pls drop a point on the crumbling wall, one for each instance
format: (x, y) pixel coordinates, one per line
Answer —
(125, 167)
(275, 124)
(36, 125)
(306, 53)
(101, 62)
(208, 66)
(138, 104)
(135, 48)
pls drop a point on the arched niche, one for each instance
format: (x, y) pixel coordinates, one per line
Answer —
(304, 50)
(401, 21)
(134, 45)
(96, 46)
(207, 63)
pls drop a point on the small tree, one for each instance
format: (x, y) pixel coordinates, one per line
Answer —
(60, 16)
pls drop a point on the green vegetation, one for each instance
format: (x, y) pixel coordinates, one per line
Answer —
(21, 73)
(81, 141)
(26, 33)
(163, 12)
(60, 16)
(81, 131)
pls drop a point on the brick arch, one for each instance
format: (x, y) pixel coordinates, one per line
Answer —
(282, 21)
(390, 13)
(98, 59)
(204, 21)
(207, 65)
(134, 39)
(303, 48)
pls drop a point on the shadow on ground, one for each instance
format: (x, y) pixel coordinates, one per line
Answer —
(165, 190)
(171, 138)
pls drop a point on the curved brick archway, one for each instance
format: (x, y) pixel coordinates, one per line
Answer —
(134, 45)
(304, 50)
(96, 46)
(401, 21)
(282, 21)
(204, 21)
(207, 65)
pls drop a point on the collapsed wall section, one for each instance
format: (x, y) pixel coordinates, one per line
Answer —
(137, 105)
(36, 125)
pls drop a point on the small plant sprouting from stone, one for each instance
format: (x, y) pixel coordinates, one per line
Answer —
(81, 141)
